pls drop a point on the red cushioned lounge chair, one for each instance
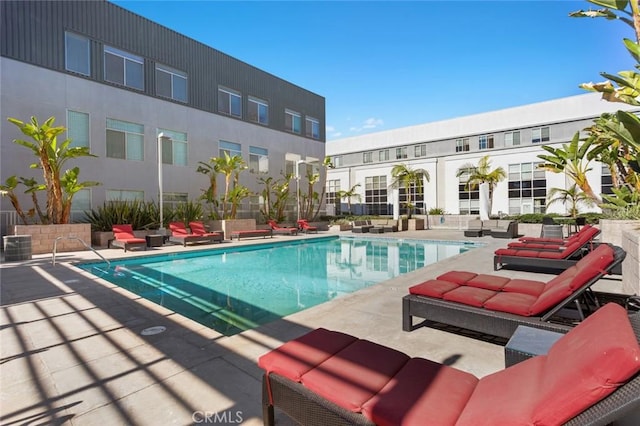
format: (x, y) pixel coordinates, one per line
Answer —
(306, 228)
(279, 230)
(197, 228)
(588, 233)
(497, 305)
(590, 376)
(180, 235)
(124, 238)
(549, 256)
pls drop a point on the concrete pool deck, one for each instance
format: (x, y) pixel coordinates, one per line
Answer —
(72, 351)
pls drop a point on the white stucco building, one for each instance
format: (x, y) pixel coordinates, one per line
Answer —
(511, 137)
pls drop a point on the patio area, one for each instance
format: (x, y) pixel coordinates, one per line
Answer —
(73, 349)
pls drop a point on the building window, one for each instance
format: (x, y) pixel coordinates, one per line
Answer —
(401, 153)
(367, 157)
(420, 150)
(541, 134)
(383, 155)
(77, 53)
(125, 140)
(229, 148)
(512, 139)
(78, 128)
(333, 187)
(375, 195)
(256, 204)
(171, 83)
(336, 160)
(123, 68)
(606, 185)
(172, 200)
(527, 189)
(462, 145)
(258, 110)
(468, 199)
(312, 128)
(174, 151)
(292, 121)
(124, 195)
(258, 160)
(485, 142)
(81, 203)
(229, 102)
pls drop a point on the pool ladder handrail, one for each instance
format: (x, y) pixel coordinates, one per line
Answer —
(55, 246)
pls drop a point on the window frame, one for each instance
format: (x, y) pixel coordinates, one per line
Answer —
(312, 127)
(420, 150)
(125, 56)
(262, 154)
(230, 149)
(127, 134)
(252, 100)
(462, 145)
(69, 67)
(538, 134)
(72, 131)
(179, 143)
(367, 157)
(485, 142)
(294, 117)
(510, 138)
(173, 74)
(229, 94)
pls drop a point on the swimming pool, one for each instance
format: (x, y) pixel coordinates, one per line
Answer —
(232, 289)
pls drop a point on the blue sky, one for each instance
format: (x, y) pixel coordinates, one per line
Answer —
(386, 64)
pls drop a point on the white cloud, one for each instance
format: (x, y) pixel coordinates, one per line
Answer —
(372, 123)
(330, 129)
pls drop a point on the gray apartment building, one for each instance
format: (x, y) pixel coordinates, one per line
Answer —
(116, 80)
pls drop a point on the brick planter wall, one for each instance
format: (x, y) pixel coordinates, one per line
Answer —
(43, 236)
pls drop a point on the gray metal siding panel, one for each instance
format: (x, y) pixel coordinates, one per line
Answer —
(33, 32)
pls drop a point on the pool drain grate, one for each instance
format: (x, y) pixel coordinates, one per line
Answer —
(153, 330)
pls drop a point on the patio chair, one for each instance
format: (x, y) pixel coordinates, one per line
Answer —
(197, 228)
(124, 238)
(497, 305)
(588, 234)
(180, 235)
(559, 241)
(564, 256)
(279, 230)
(590, 376)
(304, 226)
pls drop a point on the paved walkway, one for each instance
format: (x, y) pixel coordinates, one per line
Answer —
(72, 351)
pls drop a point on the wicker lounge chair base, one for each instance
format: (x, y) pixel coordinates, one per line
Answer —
(264, 233)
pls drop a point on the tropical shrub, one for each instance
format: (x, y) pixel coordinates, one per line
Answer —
(140, 214)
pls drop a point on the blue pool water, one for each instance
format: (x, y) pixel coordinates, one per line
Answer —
(231, 289)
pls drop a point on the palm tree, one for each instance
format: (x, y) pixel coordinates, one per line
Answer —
(230, 167)
(52, 157)
(573, 195)
(408, 178)
(348, 195)
(571, 159)
(482, 173)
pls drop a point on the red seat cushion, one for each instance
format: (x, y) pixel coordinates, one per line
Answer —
(513, 303)
(433, 288)
(489, 282)
(421, 390)
(300, 355)
(471, 296)
(458, 277)
(519, 285)
(355, 374)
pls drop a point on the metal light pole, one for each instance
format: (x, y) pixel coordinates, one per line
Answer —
(161, 139)
(298, 187)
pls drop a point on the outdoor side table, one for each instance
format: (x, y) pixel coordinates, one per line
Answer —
(154, 240)
(527, 342)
